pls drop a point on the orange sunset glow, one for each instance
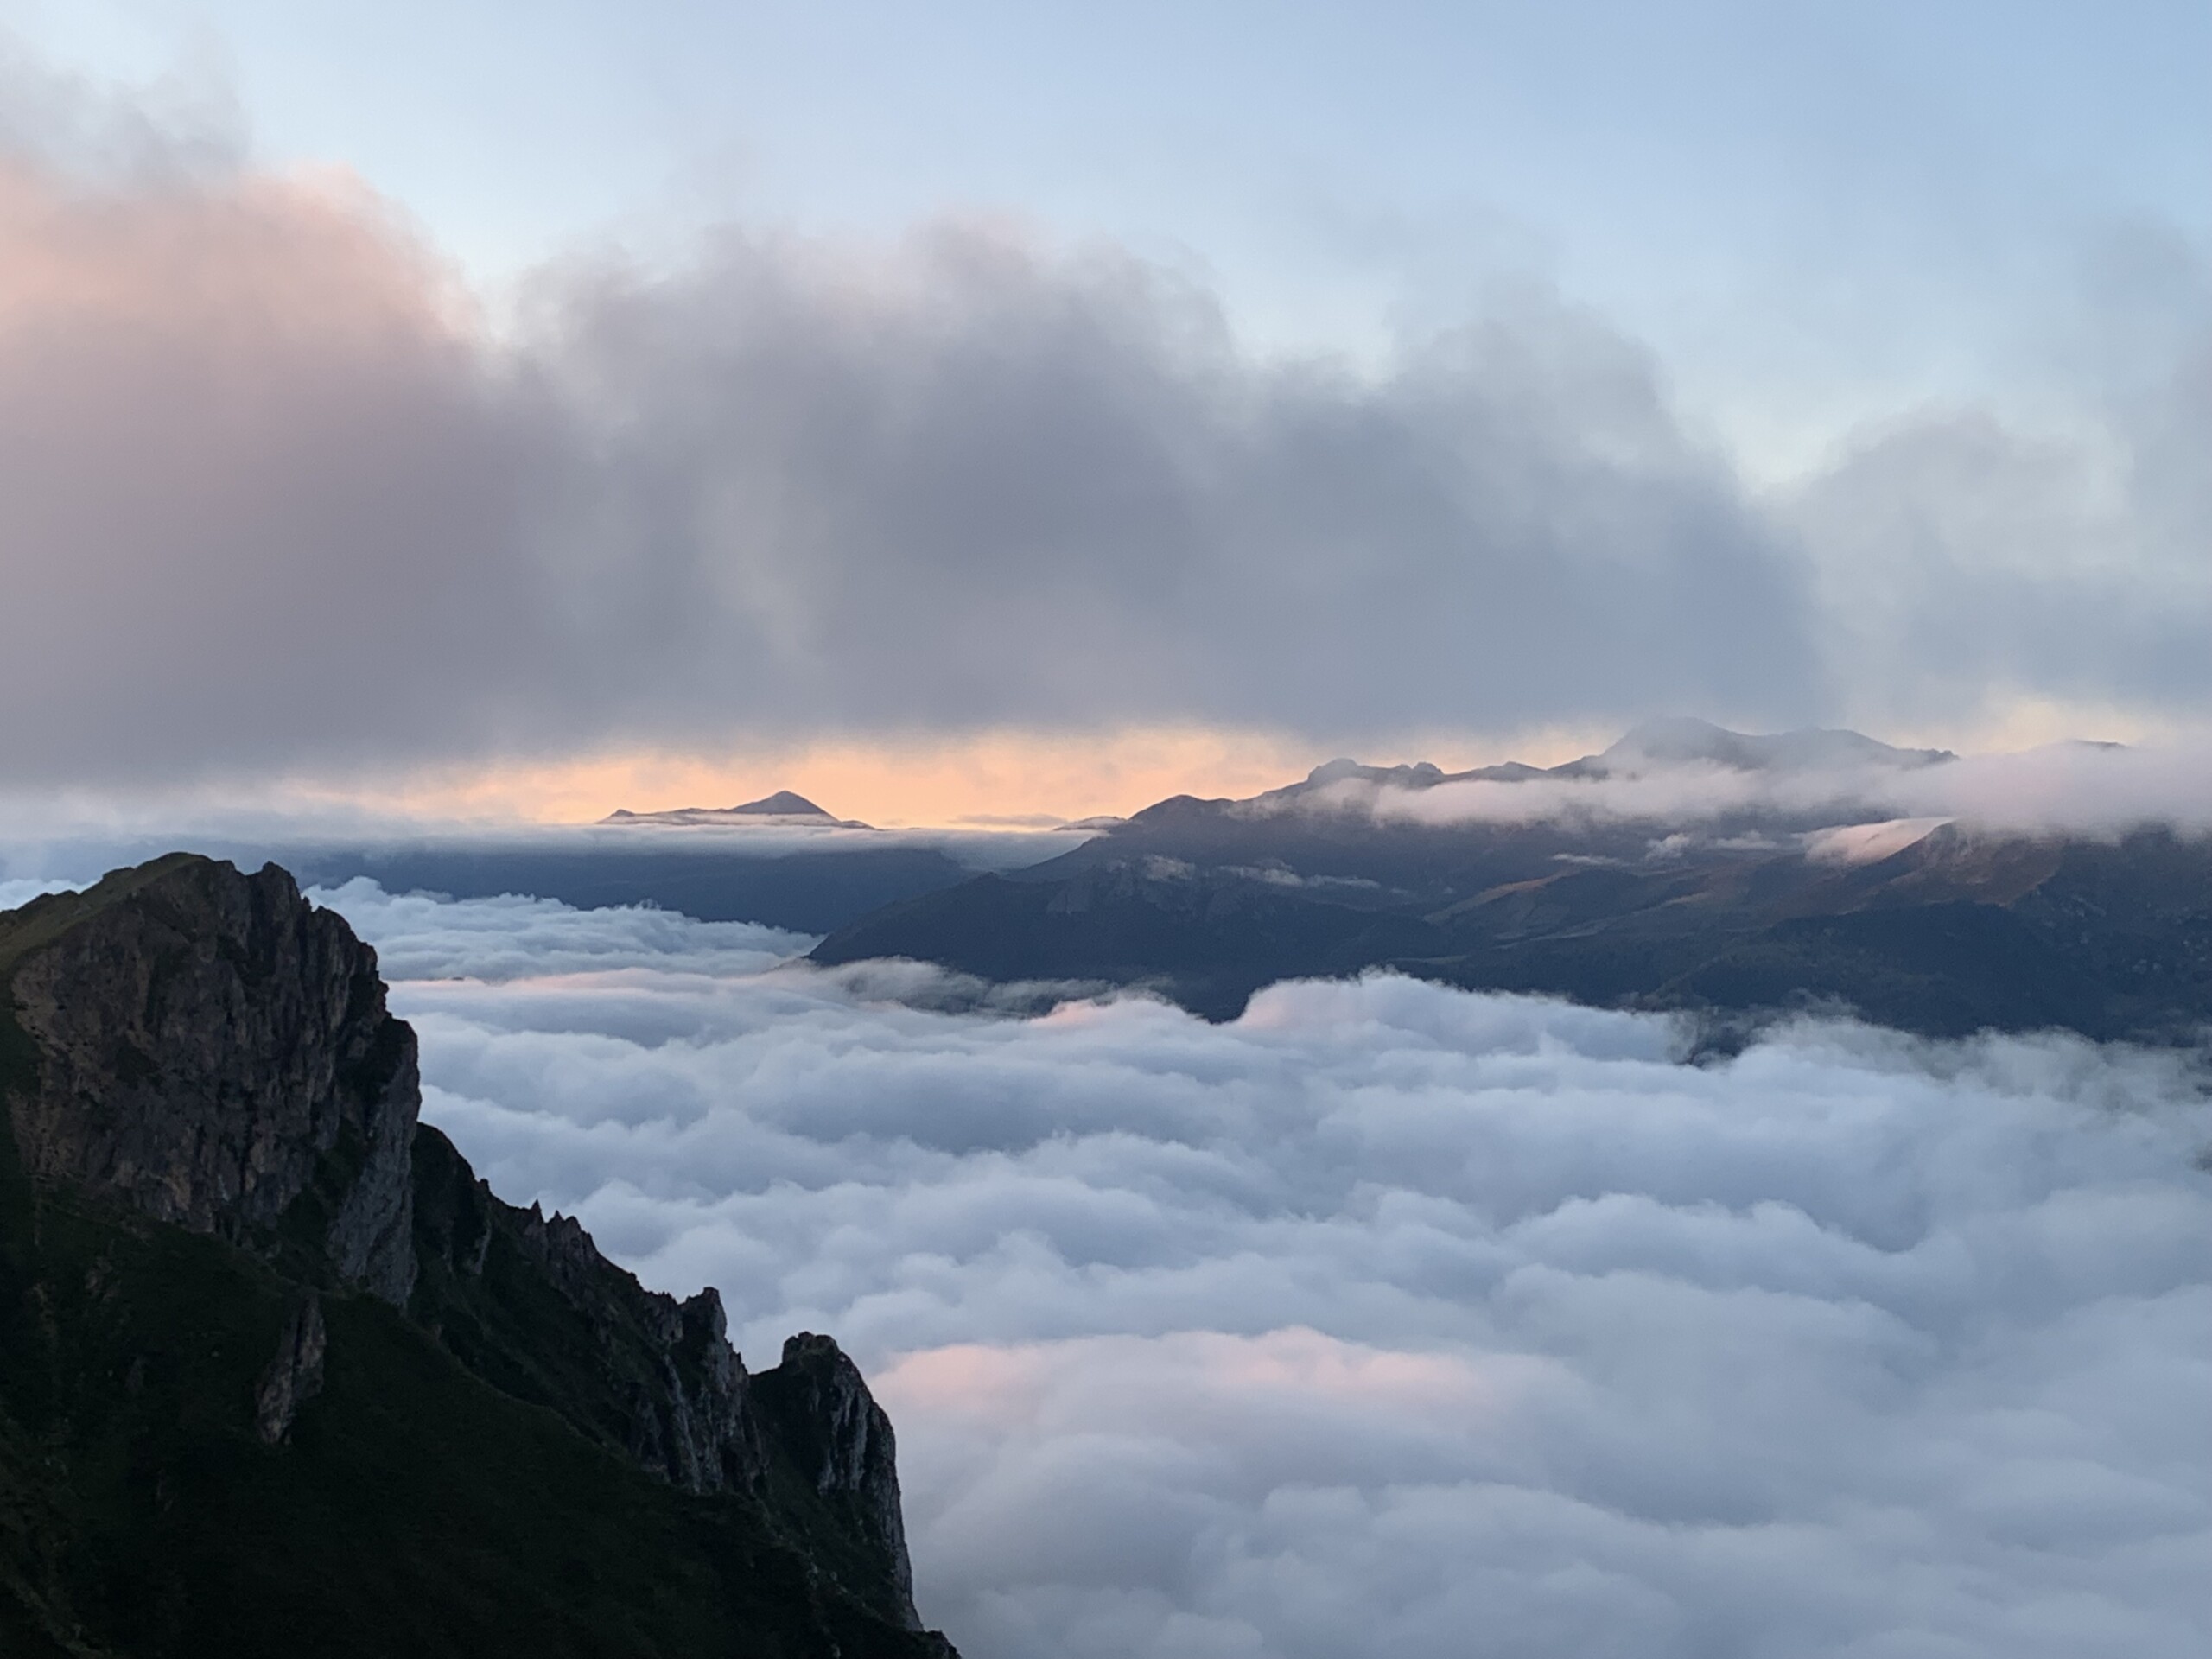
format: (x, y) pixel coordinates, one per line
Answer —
(1009, 778)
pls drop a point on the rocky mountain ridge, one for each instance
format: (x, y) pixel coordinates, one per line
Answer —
(1731, 916)
(213, 1115)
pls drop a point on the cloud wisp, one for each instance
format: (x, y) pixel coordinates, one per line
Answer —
(1390, 1318)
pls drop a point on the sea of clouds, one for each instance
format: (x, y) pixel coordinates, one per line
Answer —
(1394, 1321)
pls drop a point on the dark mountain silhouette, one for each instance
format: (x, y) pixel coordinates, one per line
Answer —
(278, 1374)
(782, 804)
(1655, 745)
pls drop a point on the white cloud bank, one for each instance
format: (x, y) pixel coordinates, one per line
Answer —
(1395, 1320)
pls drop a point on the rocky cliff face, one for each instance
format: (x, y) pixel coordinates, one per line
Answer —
(828, 1424)
(215, 1051)
(207, 1050)
(531, 1304)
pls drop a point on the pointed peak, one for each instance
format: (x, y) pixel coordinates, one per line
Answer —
(784, 809)
(784, 803)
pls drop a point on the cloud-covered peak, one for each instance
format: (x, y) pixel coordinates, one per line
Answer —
(1685, 772)
(1671, 743)
(1418, 775)
(1681, 739)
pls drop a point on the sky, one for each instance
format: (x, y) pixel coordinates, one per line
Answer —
(535, 411)
(1389, 1318)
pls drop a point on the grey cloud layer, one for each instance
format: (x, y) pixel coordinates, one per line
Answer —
(287, 504)
(1392, 1319)
(256, 493)
(1054, 490)
(270, 495)
(1966, 552)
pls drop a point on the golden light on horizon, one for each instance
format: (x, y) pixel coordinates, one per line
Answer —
(1005, 778)
(1002, 777)
(1016, 777)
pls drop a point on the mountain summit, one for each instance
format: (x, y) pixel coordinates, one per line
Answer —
(783, 807)
(784, 803)
(278, 1373)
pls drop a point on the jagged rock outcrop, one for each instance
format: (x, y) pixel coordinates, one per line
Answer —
(828, 1423)
(656, 1379)
(665, 1387)
(221, 1226)
(214, 1051)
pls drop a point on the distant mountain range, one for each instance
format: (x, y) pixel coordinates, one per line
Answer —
(784, 809)
(781, 860)
(1685, 866)
(1655, 745)
(1921, 923)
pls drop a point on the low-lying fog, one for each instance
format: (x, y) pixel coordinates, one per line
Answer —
(1393, 1320)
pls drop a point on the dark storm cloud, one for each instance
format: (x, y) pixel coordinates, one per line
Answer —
(273, 496)
(964, 480)
(268, 495)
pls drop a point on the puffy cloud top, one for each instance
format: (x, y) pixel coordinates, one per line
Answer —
(1392, 1319)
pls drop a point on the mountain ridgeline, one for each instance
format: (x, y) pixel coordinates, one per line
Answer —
(781, 861)
(279, 1374)
(1925, 925)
